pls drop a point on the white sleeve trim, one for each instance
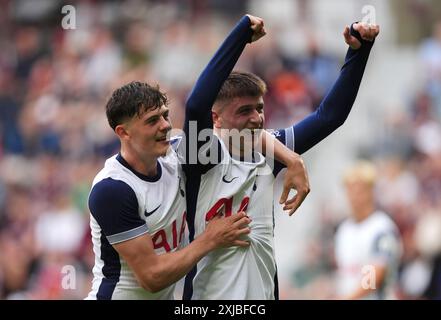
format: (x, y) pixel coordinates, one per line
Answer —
(289, 138)
(127, 235)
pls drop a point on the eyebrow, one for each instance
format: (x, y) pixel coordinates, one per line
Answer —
(155, 116)
(247, 106)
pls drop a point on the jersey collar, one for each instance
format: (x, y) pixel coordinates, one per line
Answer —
(140, 175)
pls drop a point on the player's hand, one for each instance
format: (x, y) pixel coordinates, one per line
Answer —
(296, 178)
(257, 26)
(225, 232)
(367, 32)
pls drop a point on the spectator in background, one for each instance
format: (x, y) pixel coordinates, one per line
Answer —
(430, 56)
(367, 245)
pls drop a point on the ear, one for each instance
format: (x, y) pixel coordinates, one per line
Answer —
(122, 132)
(217, 120)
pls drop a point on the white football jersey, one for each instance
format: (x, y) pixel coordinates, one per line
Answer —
(236, 272)
(125, 204)
(359, 246)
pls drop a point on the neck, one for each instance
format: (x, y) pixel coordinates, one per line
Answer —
(240, 153)
(237, 149)
(363, 212)
(144, 165)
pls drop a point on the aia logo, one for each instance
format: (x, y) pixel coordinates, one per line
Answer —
(162, 238)
(226, 204)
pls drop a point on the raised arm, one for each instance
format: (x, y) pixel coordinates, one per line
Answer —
(201, 99)
(199, 103)
(335, 107)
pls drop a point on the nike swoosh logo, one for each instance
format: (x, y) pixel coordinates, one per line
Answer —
(226, 181)
(151, 212)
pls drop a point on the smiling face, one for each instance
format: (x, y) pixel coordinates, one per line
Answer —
(138, 114)
(147, 134)
(240, 113)
(239, 106)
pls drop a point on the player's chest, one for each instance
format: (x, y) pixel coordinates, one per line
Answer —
(163, 204)
(236, 189)
(166, 218)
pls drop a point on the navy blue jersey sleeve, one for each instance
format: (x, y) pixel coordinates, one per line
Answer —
(335, 107)
(200, 101)
(114, 206)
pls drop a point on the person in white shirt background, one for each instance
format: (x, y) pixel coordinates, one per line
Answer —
(367, 244)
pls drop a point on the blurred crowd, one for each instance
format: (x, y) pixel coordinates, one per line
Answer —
(407, 154)
(54, 137)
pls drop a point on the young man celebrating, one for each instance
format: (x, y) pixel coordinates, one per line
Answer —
(138, 206)
(233, 185)
(138, 202)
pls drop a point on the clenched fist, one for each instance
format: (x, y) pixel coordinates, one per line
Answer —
(257, 26)
(367, 32)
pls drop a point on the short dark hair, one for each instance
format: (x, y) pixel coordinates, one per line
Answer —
(241, 84)
(132, 99)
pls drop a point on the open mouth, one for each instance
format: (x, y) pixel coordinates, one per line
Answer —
(164, 139)
(253, 129)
